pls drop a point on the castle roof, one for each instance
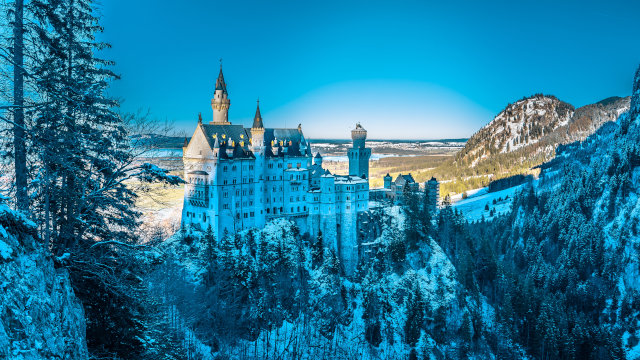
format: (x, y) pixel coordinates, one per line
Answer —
(286, 141)
(257, 119)
(318, 156)
(316, 171)
(402, 179)
(220, 84)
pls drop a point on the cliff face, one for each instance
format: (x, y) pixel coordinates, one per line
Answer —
(40, 317)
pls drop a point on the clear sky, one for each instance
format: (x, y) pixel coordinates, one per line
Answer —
(404, 69)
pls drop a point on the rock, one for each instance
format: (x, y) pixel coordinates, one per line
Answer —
(40, 317)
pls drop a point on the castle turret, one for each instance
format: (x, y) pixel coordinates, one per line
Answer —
(220, 102)
(359, 155)
(258, 147)
(432, 192)
(387, 181)
(257, 129)
(317, 160)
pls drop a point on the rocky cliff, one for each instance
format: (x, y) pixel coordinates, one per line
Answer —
(40, 317)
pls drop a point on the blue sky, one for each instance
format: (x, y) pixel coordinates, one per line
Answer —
(404, 69)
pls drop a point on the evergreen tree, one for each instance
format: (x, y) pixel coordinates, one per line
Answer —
(81, 146)
(210, 254)
(415, 316)
(317, 251)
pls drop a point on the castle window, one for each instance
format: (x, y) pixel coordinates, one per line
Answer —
(224, 168)
(304, 208)
(291, 199)
(279, 165)
(268, 210)
(298, 165)
(246, 215)
(234, 168)
(224, 182)
(225, 206)
(237, 192)
(270, 166)
(225, 195)
(292, 209)
(234, 181)
(251, 214)
(289, 166)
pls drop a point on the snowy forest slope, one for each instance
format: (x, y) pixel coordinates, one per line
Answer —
(567, 255)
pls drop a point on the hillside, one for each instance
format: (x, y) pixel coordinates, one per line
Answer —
(538, 124)
(522, 136)
(568, 251)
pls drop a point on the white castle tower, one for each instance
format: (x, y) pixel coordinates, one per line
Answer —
(358, 154)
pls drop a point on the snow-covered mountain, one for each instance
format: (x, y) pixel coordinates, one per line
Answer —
(537, 124)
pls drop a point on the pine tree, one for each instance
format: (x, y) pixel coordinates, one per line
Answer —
(211, 254)
(81, 146)
(415, 316)
(19, 125)
(317, 251)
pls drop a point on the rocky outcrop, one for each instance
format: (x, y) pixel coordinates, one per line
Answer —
(40, 317)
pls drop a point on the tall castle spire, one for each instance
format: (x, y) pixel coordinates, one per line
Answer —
(257, 133)
(257, 119)
(220, 103)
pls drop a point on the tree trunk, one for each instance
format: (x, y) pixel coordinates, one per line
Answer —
(20, 155)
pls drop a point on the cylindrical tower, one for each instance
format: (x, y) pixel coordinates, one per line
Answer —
(359, 155)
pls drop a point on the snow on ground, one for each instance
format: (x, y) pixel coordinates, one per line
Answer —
(631, 344)
(473, 207)
(5, 250)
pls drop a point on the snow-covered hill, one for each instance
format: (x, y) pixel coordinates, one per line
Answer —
(538, 124)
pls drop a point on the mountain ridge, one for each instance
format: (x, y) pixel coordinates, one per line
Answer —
(540, 123)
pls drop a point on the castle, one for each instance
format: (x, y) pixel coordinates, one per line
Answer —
(239, 178)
